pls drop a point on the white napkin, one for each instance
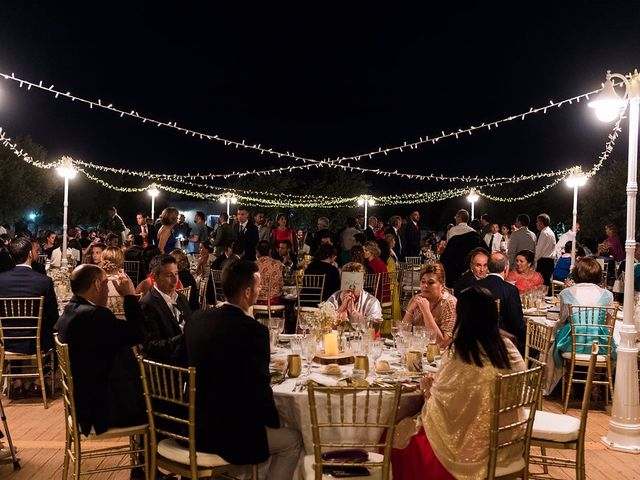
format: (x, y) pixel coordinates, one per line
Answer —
(325, 380)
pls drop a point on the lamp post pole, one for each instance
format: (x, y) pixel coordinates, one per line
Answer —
(366, 200)
(575, 180)
(153, 192)
(473, 198)
(66, 171)
(624, 426)
(229, 198)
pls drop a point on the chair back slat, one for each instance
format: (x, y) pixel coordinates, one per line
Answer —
(21, 319)
(64, 366)
(132, 268)
(216, 276)
(309, 289)
(590, 324)
(413, 261)
(186, 291)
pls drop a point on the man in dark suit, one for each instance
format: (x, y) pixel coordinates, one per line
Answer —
(455, 256)
(246, 233)
(286, 256)
(511, 317)
(164, 314)
(108, 391)
(223, 233)
(237, 417)
(412, 235)
(370, 232)
(477, 270)
(395, 223)
(146, 231)
(135, 253)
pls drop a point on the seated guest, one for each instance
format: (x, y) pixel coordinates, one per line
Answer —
(108, 392)
(322, 264)
(236, 417)
(164, 314)
(36, 266)
(286, 256)
(93, 254)
(270, 274)
(205, 259)
(187, 280)
(525, 276)
(391, 241)
(6, 262)
(113, 263)
(50, 243)
(112, 240)
(450, 438)
(511, 318)
(135, 253)
(22, 281)
(563, 265)
(587, 274)
(461, 240)
(219, 262)
(375, 265)
(357, 255)
(434, 307)
(149, 254)
(477, 270)
(357, 306)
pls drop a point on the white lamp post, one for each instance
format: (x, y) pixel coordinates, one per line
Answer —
(153, 193)
(624, 426)
(229, 198)
(65, 170)
(575, 180)
(367, 201)
(473, 198)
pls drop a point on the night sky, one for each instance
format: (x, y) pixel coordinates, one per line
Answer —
(319, 81)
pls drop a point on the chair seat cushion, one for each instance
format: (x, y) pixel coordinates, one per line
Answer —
(582, 357)
(555, 427)
(374, 472)
(171, 450)
(114, 432)
(265, 308)
(309, 309)
(516, 466)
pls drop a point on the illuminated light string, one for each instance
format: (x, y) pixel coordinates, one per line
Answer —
(257, 147)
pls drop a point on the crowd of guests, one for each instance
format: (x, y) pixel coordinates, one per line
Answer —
(464, 273)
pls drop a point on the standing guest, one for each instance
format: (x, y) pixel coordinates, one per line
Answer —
(322, 264)
(434, 307)
(135, 253)
(264, 230)
(283, 233)
(286, 256)
(84, 240)
(395, 223)
(22, 281)
(165, 313)
(237, 417)
(187, 280)
(198, 232)
(357, 255)
(347, 235)
(391, 241)
(359, 239)
(375, 265)
(166, 233)
(614, 242)
(146, 231)
(322, 232)
(182, 229)
(525, 276)
(360, 219)
(506, 233)
(450, 437)
(271, 275)
(461, 227)
(478, 269)
(494, 238)
(94, 253)
(381, 229)
(487, 226)
(521, 239)
(568, 236)
(386, 257)
(563, 265)
(412, 235)
(114, 224)
(108, 392)
(370, 231)
(50, 243)
(223, 233)
(245, 233)
(545, 249)
(511, 317)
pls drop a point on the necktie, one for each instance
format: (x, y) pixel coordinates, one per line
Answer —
(177, 312)
(490, 243)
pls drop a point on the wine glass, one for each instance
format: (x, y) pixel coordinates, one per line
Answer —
(395, 330)
(375, 351)
(303, 324)
(309, 349)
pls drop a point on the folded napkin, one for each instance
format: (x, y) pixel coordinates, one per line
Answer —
(325, 380)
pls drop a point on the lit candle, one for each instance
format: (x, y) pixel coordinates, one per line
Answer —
(331, 344)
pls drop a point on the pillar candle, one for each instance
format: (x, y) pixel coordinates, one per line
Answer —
(331, 344)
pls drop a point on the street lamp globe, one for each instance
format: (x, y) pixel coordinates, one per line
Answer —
(608, 104)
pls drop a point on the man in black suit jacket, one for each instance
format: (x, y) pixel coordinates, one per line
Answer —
(236, 417)
(369, 232)
(164, 313)
(395, 223)
(23, 281)
(246, 233)
(412, 235)
(478, 269)
(455, 256)
(511, 317)
(108, 392)
(147, 232)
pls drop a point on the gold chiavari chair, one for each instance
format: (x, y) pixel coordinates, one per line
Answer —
(413, 261)
(21, 320)
(202, 291)
(589, 324)
(137, 449)
(564, 432)
(42, 259)
(132, 268)
(372, 284)
(216, 276)
(352, 417)
(309, 289)
(268, 310)
(389, 282)
(186, 291)
(556, 287)
(537, 346)
(515, 394)
(170, 396)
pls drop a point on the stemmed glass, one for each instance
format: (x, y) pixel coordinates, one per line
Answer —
(309, 349)
(375, 351)
(395, 331)
(303, 324)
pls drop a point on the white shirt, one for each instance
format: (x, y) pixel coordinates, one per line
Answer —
(546, 244)
(497, 238)
(3, 230)
(459, 229)
(567, 236)
(56, 256)
(170, 301)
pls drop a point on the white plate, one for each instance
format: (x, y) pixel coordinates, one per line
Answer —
(431, 369)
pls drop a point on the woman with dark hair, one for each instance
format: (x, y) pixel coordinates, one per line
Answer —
(587, 274)
(282, 231)
(524, 275)
(187, 280)
(449, 439)
(203, 266)
(94, 253)
(50, 243)
(322, 264)
(166, 234)
(271, 279)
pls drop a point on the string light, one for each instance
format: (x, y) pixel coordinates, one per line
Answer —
(257, 147)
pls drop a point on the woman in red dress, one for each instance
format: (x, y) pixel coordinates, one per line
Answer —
(283, 232)
(374, 265)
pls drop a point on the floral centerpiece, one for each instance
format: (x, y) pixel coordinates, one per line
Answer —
(324, 319)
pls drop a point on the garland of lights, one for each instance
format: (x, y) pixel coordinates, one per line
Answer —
(328, 161)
